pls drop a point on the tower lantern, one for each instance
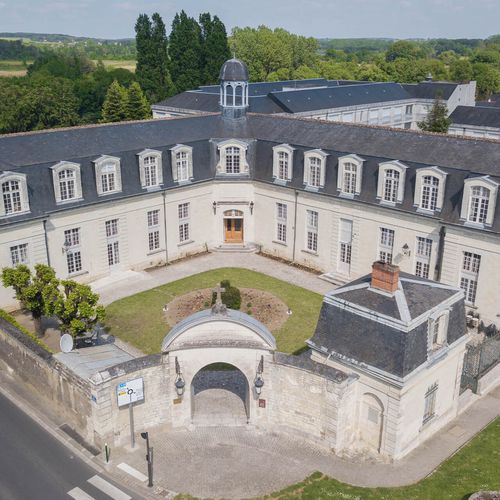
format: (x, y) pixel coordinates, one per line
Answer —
(234, 88)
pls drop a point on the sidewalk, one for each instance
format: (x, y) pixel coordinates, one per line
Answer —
(243, 462)
(127, 283)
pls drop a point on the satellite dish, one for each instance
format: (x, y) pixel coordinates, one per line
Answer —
(66, 343)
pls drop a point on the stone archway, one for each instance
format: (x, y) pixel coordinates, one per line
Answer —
(220, 395)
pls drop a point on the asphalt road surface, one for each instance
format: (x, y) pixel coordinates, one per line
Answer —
(36, 466)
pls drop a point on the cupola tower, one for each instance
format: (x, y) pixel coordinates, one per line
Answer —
(234, 88)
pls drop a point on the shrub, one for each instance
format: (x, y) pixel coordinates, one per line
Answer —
(231, 298)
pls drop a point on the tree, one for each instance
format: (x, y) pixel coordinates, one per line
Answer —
(215, 47)
(487, 78)
(77, 308)
(36, 293)
(137, 107)
(461, 70)
(114, 107)
(437, 120)
(161, 74)
(185, 53)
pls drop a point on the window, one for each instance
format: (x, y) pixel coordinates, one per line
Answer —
(232, 160)
(154, 230)
(108, 175)
(478, 205)
(345, 250)
(312, 231)
(469, 276)
(108, 178)
(183, 210)
(11, 191)
(409, 109)
(150, 167)
(282, 162)
(19, 254)
(430, 403)
(314, 172)
(72, 248)
(350, 174)
(391, 185)
(386, 244)
(430, 192)
(281, 216)
(423, 256)
(67, 184)
(182, 164)
(113, 245)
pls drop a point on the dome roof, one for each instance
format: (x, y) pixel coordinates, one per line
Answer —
(234, 70)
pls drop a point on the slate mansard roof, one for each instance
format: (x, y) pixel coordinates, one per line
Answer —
(389, 333)
(35, 153)
(480, 116)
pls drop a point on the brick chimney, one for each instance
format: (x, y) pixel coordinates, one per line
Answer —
(385, 276)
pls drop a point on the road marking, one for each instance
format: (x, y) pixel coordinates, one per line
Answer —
(133, 472)
(79, 494)
(108, 488)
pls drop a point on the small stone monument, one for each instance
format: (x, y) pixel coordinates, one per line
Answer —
(219, 307)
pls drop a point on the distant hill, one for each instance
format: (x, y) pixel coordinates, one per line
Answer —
(59, 38)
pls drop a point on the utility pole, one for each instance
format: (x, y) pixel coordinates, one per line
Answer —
(149, 458)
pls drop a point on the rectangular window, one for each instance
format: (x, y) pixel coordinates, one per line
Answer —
(314, 172)
(281, 217)
(391, 185)
(430, 403)
(386, 244)
(469, 276)
(72, 247)
(111, 228)
(283, 159)
(183, 210)
(423, 257)
(72, 237)
(150, 171)
(182, 159)
(19, 254)
(345, 241)
(113, 253)
(312, 231)
(154, 230)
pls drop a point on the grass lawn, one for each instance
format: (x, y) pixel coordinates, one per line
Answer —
(117, 63)
(138, 319)
(475, 467)
(12, 68)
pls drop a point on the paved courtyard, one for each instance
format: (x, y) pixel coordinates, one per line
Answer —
(127, 283)
(242, 462)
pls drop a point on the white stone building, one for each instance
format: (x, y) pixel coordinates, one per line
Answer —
(476, 121)
(96, 200)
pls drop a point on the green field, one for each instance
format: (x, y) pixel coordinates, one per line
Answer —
(12, 68)
(138, 319)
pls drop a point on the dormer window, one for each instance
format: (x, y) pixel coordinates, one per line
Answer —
(182, 163)
(479, 200)
(282, 162)
(14, 194)
(391, 179)
(429, 189)
(108, 175)
(232, 158)
(314, 169)
(150, 166)
(67, 182)
(437, 331)
(349, 175)
(233, 155)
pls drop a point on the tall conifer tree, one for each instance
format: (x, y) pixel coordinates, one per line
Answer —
(215, 47)
(137, 107)
(185, 52)
(114, 107)
(159, 41)
(145, 68)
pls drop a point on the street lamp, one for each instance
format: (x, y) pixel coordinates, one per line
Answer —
(259, 384)
(251, 207)
(179, 385)
(149, 458)
(214, 206)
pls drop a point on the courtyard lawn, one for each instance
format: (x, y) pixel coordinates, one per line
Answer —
(138, 319)
(475, 467)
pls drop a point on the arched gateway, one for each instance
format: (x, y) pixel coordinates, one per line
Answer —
(217, 349)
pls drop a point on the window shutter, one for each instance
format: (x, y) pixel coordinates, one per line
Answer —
(173, 159)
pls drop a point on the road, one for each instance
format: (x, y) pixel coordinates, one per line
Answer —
(36, 466)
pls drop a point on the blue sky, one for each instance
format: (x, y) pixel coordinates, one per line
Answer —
(319, 18)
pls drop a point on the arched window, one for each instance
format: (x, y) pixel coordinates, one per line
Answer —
(350, 178)
(150, 171)
(478, 205)
(314, 171)
(430, 192)
(391, 185)
(233, 160)
(67, 184)
(12, 200)
(182, 164)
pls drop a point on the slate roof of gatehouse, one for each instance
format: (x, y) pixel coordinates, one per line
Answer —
(36, 152)
(366, 328)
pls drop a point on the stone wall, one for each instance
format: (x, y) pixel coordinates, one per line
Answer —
(70, 394)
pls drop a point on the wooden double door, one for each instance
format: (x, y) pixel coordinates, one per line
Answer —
(233, 230)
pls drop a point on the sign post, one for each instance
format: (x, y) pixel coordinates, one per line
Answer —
(129, 393)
